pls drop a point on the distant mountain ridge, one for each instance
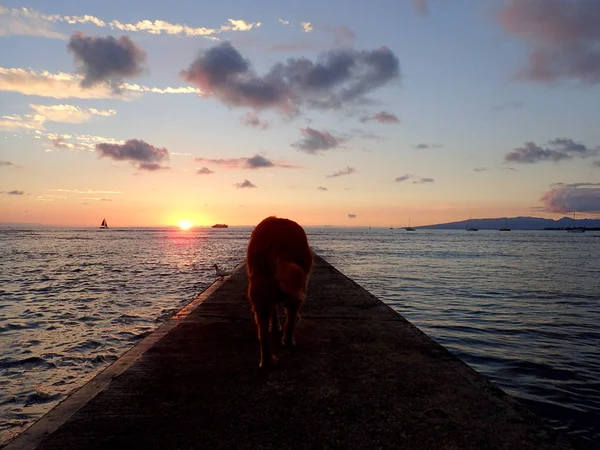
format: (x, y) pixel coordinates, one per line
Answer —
(517, 223)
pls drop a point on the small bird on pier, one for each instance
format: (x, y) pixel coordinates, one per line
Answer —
(220, 272)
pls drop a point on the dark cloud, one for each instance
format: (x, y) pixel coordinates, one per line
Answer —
(569, 198)
(258, 161)
(204, 171)
(338, 78)
(351, 216)
(245, 184)
(255, 162)
(106, 59)
(556, 150)
(382, 117)
(480, 169)
(6, 164)
(151, 167)
(251, 119)
(596, 164)
(322, 188)
(403, 178)
(148, 157)
(314, 141)
(424, 181)
(507, 105)
(416, 180)
(424, 146)
(342, 172)
(15, 192)
(563, 37)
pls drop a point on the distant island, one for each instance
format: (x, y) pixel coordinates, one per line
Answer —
(519, 223)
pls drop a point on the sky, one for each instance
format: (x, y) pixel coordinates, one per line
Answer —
(343, 113)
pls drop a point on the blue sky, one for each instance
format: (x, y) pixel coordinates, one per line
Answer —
(475, 82)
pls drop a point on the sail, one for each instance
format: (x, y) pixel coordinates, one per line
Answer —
(103, 224)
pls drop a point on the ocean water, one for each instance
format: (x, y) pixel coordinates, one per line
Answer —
(523, 308)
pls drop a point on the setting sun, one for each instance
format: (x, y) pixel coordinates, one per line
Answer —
(185, 224)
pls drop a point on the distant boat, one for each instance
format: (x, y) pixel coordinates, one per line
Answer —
(409, 228)
(469, 227)
(220, 225)
(103, 224)
(505, 225)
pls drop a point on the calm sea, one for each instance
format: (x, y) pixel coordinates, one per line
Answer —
(523, 308)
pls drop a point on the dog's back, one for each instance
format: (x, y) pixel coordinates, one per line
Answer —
(279, 256)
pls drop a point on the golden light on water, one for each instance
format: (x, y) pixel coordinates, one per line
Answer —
(185, 224)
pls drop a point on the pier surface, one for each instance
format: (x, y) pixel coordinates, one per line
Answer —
(361, 377)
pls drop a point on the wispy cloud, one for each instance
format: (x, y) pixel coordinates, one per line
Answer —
(251, 119)
(314, 141)
(245, 185)
(306, 27)
(6, 164)
(422, 6)
(322, 188)
(284, 22)
(26, 21)
(569, 198)
(563, 38)
(339, 78)
(480, 169)
(425, 146)
(351, 216)
(342, 172)
(51, 113)
(86, 191)
(416, 179)
(146, 156)
(382, 117)
(15, 192)
(254, 162)
(68, 85)
(26, 122)
(556, 150)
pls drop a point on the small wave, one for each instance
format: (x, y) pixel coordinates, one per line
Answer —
(17, 326)
(40, 397)
(26, 363)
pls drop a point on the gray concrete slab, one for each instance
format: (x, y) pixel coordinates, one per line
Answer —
(361, 377)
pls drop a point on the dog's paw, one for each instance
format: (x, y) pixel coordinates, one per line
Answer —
(288, 342)
(268, 363)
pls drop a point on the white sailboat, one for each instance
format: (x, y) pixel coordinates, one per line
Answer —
(103, 224)
(575, 229)
(469, 227)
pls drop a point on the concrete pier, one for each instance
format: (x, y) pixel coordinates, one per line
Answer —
(361, 377)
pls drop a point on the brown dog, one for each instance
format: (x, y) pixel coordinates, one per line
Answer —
(278, 261)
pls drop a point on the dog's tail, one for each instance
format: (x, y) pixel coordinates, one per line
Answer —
(291, 277)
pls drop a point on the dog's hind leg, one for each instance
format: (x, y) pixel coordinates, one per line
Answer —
(263, 316)
(275, 325)
(292, 312)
